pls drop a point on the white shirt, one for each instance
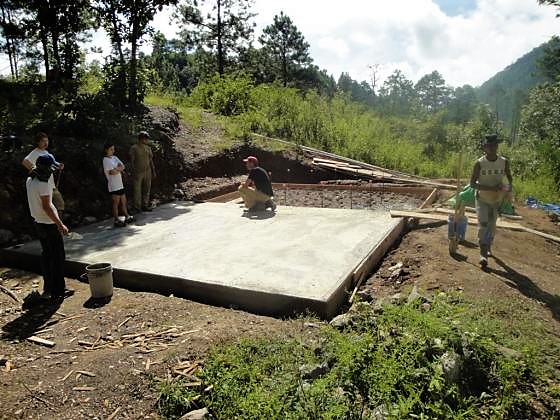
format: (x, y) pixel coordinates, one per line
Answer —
(115, 182)
(492, 174)
(35, 190)
(33, 156)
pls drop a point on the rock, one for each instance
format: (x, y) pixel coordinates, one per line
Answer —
(451, 365)
(342, 321)
(395, 299)
(313, 371)
(415, 295)
(88, 220)
(425, 307)
(359, 307)
(380, 412)
(6, 237)
(196, 414)
(365, 295)
(311, 325)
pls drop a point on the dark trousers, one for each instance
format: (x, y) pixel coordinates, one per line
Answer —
(52, 258)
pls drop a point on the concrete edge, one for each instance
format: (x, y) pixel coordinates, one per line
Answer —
(262, 303)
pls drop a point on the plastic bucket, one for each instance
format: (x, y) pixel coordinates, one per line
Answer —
(457, 230)
(100, 278)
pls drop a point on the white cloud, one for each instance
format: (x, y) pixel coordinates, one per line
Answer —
(415, 36)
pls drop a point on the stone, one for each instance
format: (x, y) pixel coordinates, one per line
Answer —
(342, 321)
(88, 220)
(359, 307)
(313, 371)
(365, 295)
(451, 365)
(380, 412)
(6, 237)
(197, 414)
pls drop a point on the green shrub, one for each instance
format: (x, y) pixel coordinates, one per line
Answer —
(225, 95)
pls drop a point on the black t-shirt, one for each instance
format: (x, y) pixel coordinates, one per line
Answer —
(262, 182)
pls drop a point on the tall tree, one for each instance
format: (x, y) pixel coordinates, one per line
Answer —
(225, 30)
(286, 46)
(13, 33)
(58, 26)
(549, 63)
(432, 91)
(128, 22)
(462, 105)
(397, 95)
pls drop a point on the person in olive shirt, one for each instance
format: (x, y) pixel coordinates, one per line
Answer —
(143, 171)
(256, 191)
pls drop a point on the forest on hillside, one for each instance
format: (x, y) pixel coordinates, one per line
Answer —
(267, 83)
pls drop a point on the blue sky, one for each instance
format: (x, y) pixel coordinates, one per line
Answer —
(456, 7)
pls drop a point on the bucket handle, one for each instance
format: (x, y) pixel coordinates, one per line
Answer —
(84, 278)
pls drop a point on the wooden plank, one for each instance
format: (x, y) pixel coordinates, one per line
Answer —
(380, 175)
(10, 293)
(373, 258)
(224, 198)
(431, 199)
(41, 341)
(472, 221)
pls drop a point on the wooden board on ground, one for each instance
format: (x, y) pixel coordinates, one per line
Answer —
(473, 221)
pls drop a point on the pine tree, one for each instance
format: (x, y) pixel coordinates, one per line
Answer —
(286, 47)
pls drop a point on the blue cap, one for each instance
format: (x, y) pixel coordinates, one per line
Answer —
(46, 160)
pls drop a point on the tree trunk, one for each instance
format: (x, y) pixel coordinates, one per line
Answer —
(219, 36)
(9, 48)
(45, 45)
(133, 85)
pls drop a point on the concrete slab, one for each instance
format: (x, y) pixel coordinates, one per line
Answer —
(298, 259)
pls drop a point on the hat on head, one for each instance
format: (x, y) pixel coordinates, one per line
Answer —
(47, 161)
(490, 139)
(251, 159)
(143, 135)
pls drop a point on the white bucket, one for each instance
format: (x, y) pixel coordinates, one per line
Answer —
(100, 278)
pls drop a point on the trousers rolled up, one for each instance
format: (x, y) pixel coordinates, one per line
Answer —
(52, 258)
(252, 196)
(487, 219)
(142, 187)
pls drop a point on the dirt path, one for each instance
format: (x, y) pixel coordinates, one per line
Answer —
(40, 382)
(525, 268)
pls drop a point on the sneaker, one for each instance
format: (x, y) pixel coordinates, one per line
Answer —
(483, 262)
(66, 293)
(129, 219)
(270, 204)
(119, 224)
(46, 296)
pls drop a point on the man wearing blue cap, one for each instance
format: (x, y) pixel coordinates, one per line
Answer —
(48, 225)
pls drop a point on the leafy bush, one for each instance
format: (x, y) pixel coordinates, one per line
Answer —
(226, 95)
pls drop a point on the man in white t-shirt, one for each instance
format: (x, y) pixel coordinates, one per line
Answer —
(29, 163)
(49, 227)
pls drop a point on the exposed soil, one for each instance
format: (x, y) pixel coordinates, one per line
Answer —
(40, 381)
(525, 267)
(346, 199)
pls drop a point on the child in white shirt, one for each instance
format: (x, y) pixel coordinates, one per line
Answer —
(113, 168)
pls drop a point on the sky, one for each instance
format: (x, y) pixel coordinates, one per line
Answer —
(467, 41)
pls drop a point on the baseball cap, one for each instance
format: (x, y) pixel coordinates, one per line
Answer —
(251, 159)
(47, 161)
(143, 135)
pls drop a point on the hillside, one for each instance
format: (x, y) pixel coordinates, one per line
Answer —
(507, 90)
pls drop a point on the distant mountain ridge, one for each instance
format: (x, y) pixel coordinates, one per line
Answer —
(507, 90)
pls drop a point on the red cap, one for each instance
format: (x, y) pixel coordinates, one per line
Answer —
(251, 159)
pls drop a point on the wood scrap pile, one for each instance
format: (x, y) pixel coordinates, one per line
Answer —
(144, 342)
(377, 173)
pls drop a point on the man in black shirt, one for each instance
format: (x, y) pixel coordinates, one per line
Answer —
(256, 191)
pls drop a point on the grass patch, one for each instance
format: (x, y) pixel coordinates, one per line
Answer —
(390, 363)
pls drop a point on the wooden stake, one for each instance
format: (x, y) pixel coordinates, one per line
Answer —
(41, 341)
